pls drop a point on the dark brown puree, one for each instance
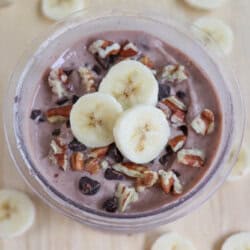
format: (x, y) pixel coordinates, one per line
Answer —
(199, 92)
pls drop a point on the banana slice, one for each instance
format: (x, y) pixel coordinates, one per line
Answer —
(220, 33)
(242, 166)
(239, 241)
(141, 133)
(58, 9)
(17, 213)
(131, 83)
(170, 241)
(205, 4)
(92, 119)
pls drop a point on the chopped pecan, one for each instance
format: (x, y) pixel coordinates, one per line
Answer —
(104, 48)
(174, 103)
(92, 165)
(146, 61)
(58, 153)
(128, 50)
(130, 169)
(58, 114)
(125, 196)
(169, 181)
(98, 152)
(166, 110)
(191, 157)
(178, 118)
(174, 73)
(177, 142)
(88, 77)
(204, 123)
(58, 80)
(148, 180)
(77, 161)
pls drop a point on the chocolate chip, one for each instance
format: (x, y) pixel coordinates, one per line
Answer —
(97, 69)
(68, 125)
(180, 94)
(164, 159)
(184, 129)
(75, 99)
(62, 101)
(75, 145)
(89, 186)
(111, 174)
(169, 150)
(176, 173)
(56, 132)
(37, 114)
(111, 204)
(114, 153)
(68, 71)
(164, 91)
(56, 175)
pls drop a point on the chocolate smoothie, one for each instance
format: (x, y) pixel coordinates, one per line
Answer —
(91, 178)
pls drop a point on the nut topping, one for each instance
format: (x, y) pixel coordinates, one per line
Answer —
(104, 48)
(58, 114)
(128, 50)
(204, 123)
(92, 165)
(175, 104)
(57, 80)
(177, 142)
(98, 152)
(146, 61)
(125, 196)
(148, 180)
(88, 77)
(191, 157)
(130, 169)
(178, 118)
(169, 181)
(174, 73)
(77, 161)
(58, 153)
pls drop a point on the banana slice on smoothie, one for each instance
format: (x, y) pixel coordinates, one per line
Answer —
(92, 119)
(242, 166)
(17, 213)
(141, 133)
(220, 33)
(170, 241)
(239, 241)
(131, 83)
(58, 9)
(205, 4)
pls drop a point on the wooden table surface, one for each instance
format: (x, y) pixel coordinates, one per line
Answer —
(225, 213)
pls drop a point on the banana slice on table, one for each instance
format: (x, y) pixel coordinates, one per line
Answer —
(131, 83)
(141, 133)
(58, 9)
(170, 241)
(239, 241)
(205, 4)
(214, 33)
(92, 119)
(242, 166)
(17, 213)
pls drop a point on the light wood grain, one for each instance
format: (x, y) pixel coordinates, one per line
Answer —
(225, 213)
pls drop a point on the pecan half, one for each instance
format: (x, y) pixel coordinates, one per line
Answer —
(77, 161)
(175, 104)
(58, 80)
(177, 142)
(125, 196)
(174, 73)
(104, 48)
(178, 118)
(130, 169)
(92, 165)
(58, 114)
(98, 152)
(191, 157)
(204, 123)
(169, 181)
(148, 180)
(58, 153)
(88, 78)
(128, 50)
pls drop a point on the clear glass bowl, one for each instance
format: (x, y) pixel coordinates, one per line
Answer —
(31, 66)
